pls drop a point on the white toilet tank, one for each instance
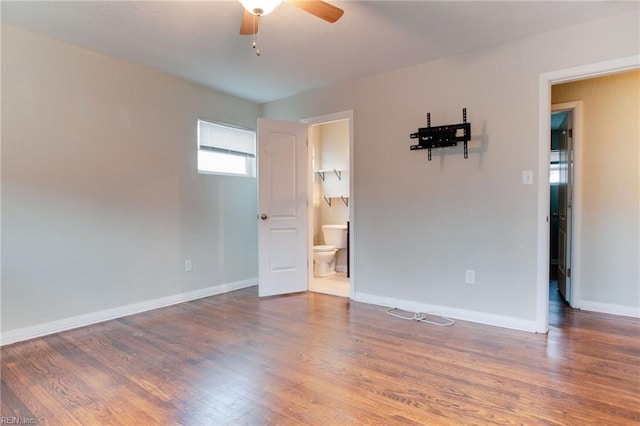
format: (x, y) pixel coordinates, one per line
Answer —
(335, 235)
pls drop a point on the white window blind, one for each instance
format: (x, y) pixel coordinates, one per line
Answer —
(226, 138)
(225, 149)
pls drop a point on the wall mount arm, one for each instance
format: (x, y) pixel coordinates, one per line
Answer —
(443, 136)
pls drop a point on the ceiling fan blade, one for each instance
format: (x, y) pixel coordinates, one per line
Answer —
(318, 8)
(249, 23)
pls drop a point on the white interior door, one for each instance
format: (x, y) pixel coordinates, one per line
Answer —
(565, 196)
(282, 207)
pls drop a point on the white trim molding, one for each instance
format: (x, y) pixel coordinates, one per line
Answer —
(57, 326)
(608, 308)
(461, 314)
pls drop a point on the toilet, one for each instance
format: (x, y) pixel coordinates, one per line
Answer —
(324, 256)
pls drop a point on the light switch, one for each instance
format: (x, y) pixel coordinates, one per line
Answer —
(527, 177)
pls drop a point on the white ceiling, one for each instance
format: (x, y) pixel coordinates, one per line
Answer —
(199, 41)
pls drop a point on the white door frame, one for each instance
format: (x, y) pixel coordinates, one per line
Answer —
(325, 119)
(546, 80)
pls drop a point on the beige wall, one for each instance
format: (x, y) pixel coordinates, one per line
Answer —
(610, 231)
(334, 154)
(101, 201)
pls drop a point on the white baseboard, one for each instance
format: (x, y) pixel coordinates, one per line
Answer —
(341, 268)
(39, 330)
(608, 308)
(461, 314)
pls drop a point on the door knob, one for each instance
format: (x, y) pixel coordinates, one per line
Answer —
(263, 216)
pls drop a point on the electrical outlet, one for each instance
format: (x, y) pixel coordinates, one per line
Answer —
(470, 276)
(188, 266)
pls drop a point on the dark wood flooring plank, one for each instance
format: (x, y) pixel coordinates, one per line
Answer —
(11, 405)
(321, 360)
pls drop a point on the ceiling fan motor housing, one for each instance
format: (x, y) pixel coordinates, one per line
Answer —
(260, 7)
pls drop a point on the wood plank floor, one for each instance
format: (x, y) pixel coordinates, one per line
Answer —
(313, 359)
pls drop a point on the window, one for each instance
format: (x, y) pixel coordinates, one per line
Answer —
(226, 150)
(557, 169)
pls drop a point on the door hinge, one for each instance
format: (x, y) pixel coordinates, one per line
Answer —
(569, 273)
(570, 133)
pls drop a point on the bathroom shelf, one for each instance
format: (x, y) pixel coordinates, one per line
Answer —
(344, 198)
(321, 173)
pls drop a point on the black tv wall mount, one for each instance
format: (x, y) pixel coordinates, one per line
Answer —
(443, 136)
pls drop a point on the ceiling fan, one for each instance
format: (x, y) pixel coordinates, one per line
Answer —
(254, 9)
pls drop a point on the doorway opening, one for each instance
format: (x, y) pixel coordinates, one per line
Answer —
(558, 129)
(560, 211)
(575, 298)
(330, 204)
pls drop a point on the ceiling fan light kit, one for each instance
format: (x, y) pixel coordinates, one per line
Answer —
(260, 7)
(255, 9)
